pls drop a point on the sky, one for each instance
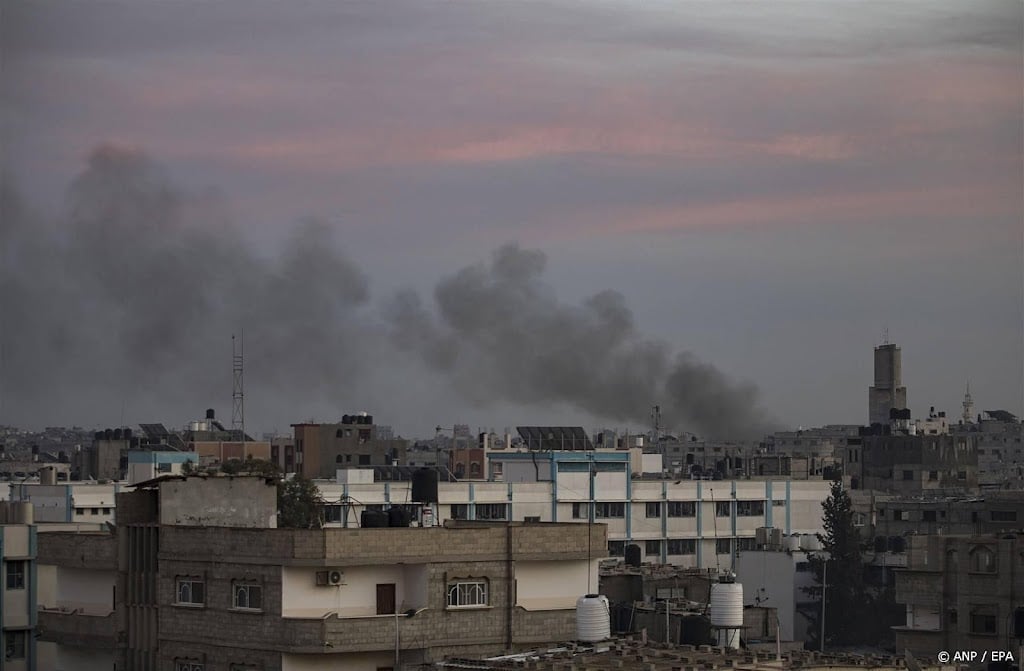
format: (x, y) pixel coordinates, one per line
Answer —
(509, 213)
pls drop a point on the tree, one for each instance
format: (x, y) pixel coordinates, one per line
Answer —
(298, 504)
(848, 615)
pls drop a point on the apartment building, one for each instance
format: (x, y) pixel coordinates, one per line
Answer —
(18, 593)
(217, 587)
(962, 593)
(321, 449)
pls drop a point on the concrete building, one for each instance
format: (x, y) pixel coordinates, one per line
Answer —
(68, 502)
(78, 624)
(962, 593)
(888, 391)
(779, 579)
(321, 449)
(638, 655)
(148, 464)
(692, 523)
(914, 465)
(1000, 449)
(18, 594)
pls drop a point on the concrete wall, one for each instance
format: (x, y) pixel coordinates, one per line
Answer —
(302, 597)
(219, 502)
(545, 585)
(353, 661)
(91, 592)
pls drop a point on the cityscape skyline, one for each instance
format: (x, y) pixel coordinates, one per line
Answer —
(763, 192)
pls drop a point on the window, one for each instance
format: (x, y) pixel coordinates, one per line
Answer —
(333, 513)
(682, 509)
(467, 593)
(652, 548)
(609, 510)
(492, 511)
(1004, 515)
(532, 518)
(723, 509)
(927, 515)
(897, 515)
(14, 645)
(933, 475)
(106, 511)
(983, 560)
(749, 508)
(247, 596)
(460, 511)
(579, 511)
(961, 475)
(983, 622)
(779, 503)
(746, 544)
(191, 592)
(16, 574)
(859, 519)
(653, 509)
(682, 546)
(94, 511)
(617, 548)
(723, 546)
(364, 460)
(188, 665)
(908, 475)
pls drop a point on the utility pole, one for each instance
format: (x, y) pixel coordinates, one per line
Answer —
(824, 580)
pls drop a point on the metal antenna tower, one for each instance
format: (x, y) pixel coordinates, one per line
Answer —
(238, 395)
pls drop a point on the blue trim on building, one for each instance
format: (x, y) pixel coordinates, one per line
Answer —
(32, 598)
(387, 492)
(345, 505)
(768, 508)
(700, 522)
(471, 514)
(69, 504)
(554, 489)
(511, 516)
(664, 522)
(789, 506)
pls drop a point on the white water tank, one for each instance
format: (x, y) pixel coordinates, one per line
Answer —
(593, 618)
(809, 542)
(727, 612)
(791, 543)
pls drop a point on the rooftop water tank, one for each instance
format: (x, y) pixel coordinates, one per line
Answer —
(374, 519)
(809, 542)
(632, 555)
(727, 612)
(593, 618)
(791, 543)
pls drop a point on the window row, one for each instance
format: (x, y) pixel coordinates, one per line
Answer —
(244, 595)
(484, 511)
(602, 510)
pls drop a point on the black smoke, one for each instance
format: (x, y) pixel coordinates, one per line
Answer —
(501, 333)
(128, 300)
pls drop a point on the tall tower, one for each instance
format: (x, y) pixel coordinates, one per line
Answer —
(238, 393)
(888, 391)
(968, 404)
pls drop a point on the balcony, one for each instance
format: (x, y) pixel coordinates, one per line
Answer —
(71, 627)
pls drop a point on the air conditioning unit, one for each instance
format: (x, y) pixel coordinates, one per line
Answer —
(330, 578)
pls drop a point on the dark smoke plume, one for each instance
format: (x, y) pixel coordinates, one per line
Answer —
(131, 297)
(504, 335)
(125, 305)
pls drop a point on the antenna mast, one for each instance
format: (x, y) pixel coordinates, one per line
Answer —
(238, 394)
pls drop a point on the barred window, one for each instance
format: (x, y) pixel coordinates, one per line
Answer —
(653, 509)
(682, 509)
(723, 546)
(723, 509)
(682, 546)
(190, 592)
(188, 665)
(609, 510)
(749, 508)
(492, 511)
(460, 511)
(653, 548)
(617, 548)
(16, 574)
(248, 596)
(463, 593)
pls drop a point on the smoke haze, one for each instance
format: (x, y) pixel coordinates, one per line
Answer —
(130, 297)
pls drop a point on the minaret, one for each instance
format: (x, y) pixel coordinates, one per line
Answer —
(968, 404)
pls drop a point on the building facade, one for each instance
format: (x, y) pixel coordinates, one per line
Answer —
(888, 391)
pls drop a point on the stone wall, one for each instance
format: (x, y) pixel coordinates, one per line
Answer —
(71, 549)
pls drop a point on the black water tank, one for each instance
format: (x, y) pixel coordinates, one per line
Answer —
(369, 419)
(632, 555)
(898, 544)
(881, 544)
(398, 517)
(210, 414)
(127, 434)
(117, 434)
(346, 419)
(108, 434)
(374, 519)
(98, 435)
(424, 486)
